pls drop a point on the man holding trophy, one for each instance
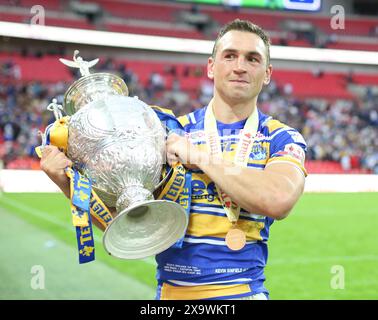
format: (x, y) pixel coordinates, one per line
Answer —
(239, 168)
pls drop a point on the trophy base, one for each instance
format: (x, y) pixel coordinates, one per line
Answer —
(145, 229)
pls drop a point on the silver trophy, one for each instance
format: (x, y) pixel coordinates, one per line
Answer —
(119, 143)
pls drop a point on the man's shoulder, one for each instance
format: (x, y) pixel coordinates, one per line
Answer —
(193, 119)
(280, 132)
(271, 125)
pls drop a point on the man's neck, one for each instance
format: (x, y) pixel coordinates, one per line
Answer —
(226, 113)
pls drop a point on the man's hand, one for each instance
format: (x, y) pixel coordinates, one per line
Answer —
(53, 163)
(179, 149)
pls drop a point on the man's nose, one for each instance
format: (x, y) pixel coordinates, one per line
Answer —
(240, 66)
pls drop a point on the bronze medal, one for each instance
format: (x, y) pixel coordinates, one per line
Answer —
(235, 239)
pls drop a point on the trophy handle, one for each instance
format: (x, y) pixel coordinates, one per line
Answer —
(167, 131)
(164, 179)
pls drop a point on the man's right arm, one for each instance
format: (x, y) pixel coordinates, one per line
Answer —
(53, 162)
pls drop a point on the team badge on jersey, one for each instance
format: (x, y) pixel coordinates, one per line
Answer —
(258, 152)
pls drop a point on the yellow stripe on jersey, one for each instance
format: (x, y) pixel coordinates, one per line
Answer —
(164, 110)
(274, 125)
(291, 160)
(260, 162)
(184, 120)
(208, 225)
(169, 292)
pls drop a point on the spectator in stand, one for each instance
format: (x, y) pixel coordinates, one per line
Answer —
(156, 83)
(206, 91)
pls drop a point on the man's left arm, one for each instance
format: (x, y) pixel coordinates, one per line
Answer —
(270, 192)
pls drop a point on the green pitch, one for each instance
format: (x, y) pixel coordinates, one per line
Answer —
(325, 249)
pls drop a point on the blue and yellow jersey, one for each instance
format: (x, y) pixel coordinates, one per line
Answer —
(205, 268)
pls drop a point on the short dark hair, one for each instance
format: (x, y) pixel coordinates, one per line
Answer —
(246, 26)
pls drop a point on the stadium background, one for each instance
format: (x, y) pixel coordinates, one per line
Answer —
(334, 105)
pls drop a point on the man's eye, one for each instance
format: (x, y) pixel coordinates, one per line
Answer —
(230, 56)
(253, 59)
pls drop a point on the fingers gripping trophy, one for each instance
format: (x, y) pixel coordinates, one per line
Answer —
(117, 146)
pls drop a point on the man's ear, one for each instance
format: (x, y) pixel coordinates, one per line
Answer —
(210, 66)
(268, 74)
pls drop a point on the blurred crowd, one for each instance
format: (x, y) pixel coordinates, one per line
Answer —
(343, 131)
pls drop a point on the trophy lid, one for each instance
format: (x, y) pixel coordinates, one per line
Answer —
(90, 87)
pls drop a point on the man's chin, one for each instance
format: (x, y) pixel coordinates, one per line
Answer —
(240, 98)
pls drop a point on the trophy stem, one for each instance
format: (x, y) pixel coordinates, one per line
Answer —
(130, 197)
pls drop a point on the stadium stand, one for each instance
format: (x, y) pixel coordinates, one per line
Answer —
(319, 120)
(166, 19)
(336, 111)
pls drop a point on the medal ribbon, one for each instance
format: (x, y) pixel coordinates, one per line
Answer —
(84, 201)
(243, 150)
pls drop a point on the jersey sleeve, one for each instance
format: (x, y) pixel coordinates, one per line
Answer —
(288, 145)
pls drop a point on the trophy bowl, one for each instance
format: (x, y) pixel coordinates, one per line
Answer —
(119, 143)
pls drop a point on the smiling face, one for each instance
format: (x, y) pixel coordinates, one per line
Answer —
(239, 68)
